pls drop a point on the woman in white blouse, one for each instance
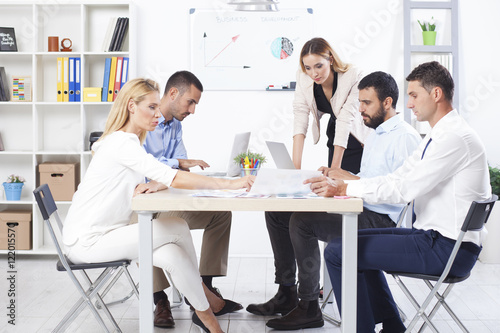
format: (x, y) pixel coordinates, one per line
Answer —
(97, 227)
(325, 84)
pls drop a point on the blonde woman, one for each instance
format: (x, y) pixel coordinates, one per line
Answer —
(327, 85)
(98, 228)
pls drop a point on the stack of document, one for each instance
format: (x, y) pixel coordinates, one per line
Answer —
(283, 182)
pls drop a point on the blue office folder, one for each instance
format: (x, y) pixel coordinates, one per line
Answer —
(105, 84)
(78, 88)
(71, 74)
(124, 72)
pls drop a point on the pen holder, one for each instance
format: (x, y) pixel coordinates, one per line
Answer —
(249, 171)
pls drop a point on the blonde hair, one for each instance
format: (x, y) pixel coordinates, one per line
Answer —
(320, 47)
(135, 90)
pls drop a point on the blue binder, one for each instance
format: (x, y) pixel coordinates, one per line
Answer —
(105, 84)
(71, 90)
(78, 88)
(124, 72)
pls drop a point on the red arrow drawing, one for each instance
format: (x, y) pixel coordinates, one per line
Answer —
(233, 40)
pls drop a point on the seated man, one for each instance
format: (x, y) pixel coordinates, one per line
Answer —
(385, 150)
(182, 94)
(444, 175)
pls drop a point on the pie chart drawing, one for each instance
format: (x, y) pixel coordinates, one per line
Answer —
(281, 48)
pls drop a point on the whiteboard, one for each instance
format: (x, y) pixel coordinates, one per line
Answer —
(234, 50)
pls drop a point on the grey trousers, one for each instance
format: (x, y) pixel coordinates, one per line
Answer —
(294, 239)
(215, 246)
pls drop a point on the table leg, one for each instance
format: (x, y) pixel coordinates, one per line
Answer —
(349, 271)
(146, 272)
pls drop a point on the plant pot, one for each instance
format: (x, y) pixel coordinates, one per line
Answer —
(249, 171)
(429, 37)
(13, 191)
(490, 254)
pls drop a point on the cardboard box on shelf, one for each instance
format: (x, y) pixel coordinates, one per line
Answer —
(15, 230)
(62, 178)
(92, 94)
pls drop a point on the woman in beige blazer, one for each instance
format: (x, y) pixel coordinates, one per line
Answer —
(325, 84)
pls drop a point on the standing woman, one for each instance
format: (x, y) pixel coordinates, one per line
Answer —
(97, 227)
(325, 84)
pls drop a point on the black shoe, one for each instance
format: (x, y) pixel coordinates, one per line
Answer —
(229, 306)
(307, 314)
(283, 302)
(197, 321)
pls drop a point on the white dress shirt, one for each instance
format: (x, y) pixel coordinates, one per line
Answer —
(452, 173)
(103, 201)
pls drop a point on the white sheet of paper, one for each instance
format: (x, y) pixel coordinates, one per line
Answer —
(282, 181)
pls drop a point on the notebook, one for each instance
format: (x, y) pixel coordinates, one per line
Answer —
(240, 145)
(280, 155)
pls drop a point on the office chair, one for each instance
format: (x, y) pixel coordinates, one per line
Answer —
(49, 212)
(475, 220)
(338, 322)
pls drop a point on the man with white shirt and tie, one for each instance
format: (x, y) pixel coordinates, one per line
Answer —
(444, 175)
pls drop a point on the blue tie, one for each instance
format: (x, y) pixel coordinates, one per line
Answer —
(414, 217)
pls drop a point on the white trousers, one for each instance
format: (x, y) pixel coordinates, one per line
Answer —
(173, 251)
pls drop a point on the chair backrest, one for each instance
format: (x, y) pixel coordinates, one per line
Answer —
(475, 220)
(478, 214)
(402, 215)
(48, 208)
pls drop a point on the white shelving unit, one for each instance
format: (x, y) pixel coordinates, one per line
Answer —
(446, 49)
(45, 130)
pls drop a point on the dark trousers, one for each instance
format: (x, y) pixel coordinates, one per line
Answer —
(393, 249)
(294, 238)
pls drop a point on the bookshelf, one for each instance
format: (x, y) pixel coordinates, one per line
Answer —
(45, 130)
(445, 51)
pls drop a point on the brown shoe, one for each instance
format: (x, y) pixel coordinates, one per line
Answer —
(163, 314)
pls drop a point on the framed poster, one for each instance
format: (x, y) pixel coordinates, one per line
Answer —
(8, 40)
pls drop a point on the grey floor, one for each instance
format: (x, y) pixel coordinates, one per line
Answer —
(44, 295)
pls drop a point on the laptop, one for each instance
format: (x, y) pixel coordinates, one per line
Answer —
(280, 155)
(240, 145)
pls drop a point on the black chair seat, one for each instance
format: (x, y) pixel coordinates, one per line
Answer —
(449, 279)
(107, 264)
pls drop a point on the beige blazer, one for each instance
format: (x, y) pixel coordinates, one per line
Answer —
(345, 106)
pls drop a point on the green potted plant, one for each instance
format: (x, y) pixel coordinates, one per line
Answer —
(13, 187)
(428, 31)
(495, 180)
(249, 162)
(491, 246)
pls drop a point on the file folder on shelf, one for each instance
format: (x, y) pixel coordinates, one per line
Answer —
(59, 80)
(71, 85)
(65, 76)
(112, 75)
(124, 72)
(105, 82)
(119, 63)
(78, 95)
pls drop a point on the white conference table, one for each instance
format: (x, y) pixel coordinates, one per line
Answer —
(181, 200)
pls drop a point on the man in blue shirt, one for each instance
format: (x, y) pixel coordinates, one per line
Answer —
(182, 94)
(385, 150)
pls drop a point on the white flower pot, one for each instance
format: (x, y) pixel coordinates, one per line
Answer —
(491, 246)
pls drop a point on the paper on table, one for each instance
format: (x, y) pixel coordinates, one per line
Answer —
(282, 181)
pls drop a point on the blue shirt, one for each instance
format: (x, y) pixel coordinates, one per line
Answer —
(165, 142)
(385, 150)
